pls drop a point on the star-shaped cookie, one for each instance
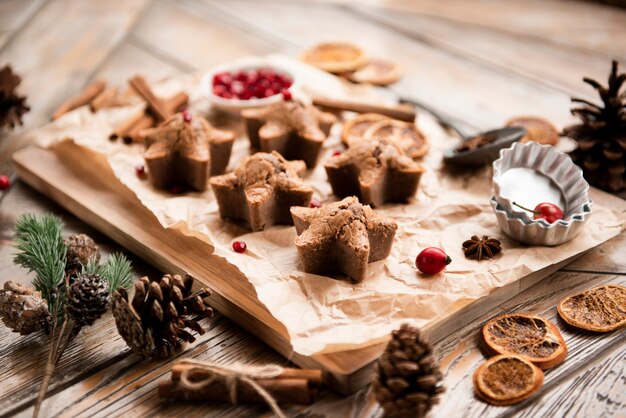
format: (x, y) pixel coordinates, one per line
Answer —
(377, 171)
(262, 190)
(185, 150)
(342, 237)
(294, 129)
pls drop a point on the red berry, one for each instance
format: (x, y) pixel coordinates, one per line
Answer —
(140, 170)
(548, 211)
(432, 260)
(176, 189)
(5, 182)
(336, 153)
(187, 117)
(286, 95)
(220, 90)
(239, 246)
(224, 79)
(241, 76)
(315, 204)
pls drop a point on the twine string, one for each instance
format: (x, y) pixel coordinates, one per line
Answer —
(232, 376)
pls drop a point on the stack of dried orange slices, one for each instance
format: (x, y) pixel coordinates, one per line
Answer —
(349, 61)
(368, 126)
(527, 344)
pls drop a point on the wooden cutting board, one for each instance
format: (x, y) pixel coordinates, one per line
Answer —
(82, 182)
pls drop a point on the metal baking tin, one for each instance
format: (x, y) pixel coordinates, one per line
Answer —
(541, 232)
(529, 174)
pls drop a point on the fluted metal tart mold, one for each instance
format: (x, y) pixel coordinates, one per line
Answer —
(545, 170)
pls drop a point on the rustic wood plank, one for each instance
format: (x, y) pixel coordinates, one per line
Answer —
(480, 96)
(589, 26)
(530, 57)
(200, 38)
(59, 50)
(14, 14)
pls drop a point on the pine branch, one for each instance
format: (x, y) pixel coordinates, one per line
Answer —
(42, 251)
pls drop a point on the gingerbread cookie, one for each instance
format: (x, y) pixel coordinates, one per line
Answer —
(262, 190)
(296, 130)
(342, 237)
(184, 150)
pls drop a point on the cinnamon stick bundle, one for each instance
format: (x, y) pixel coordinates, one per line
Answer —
(290, 386)
(83, 98)
(155, 104)
(129, 130)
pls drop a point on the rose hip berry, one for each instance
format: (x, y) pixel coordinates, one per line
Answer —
(432, 260)
(246, 85)
(140, 170)
(239, 247)
(548, 211)
(315, 204)
(286, 95)
(187, 117)
(336, 153)
(5, 182)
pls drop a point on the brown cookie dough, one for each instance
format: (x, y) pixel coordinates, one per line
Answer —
(262, 190)
(342, 237)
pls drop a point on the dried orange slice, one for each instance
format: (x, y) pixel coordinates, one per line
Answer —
(377, 71)
(335, 57)
(601, 309)
(507, 379)
(411, 139)
(537, 129)
(528, 336)
(355, 128)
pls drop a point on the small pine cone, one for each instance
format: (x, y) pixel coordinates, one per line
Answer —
(12, 105)
(407, 382)
(88, 299)
(80, 250)
(23, 309)
(154, 322)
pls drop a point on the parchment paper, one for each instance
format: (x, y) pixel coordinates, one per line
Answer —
(325, 314)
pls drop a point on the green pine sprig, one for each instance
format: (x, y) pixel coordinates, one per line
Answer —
(117, 271)
(42, 251)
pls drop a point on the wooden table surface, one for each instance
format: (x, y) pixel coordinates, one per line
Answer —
(477, 62)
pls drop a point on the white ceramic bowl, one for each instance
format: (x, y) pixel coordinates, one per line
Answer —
(529, 174)
(246, 64)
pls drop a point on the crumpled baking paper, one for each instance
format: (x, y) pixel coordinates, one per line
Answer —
(326, 314)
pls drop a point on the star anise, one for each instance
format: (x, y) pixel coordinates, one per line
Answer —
(479, 248)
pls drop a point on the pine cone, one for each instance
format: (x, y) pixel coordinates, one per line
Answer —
(80, 250)
(12, 106)
(88, 298)
(407, 378)
(601, 136)
(154, 322)
(23, 309)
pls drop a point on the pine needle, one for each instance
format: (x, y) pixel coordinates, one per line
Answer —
(117, 271)
(42, 251)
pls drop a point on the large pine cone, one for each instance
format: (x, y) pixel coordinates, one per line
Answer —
(12, 105)
(23, 309)
(154, 323)
(80, 250)
(88, 298)
(601, 135)
(407, 379)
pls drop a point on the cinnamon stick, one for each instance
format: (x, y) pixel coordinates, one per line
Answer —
(129, 130)
(155, 104)
(396, 112)
(109, 98)
(82, 99)
(291, 386)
